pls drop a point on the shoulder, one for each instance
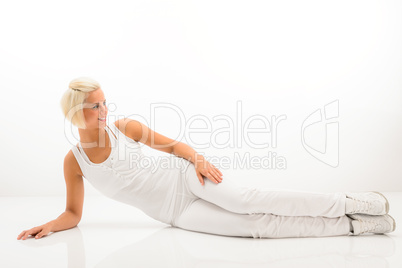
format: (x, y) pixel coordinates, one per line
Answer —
(130, 127)
(71, 164)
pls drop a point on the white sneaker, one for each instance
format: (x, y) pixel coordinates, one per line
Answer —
(372, 224)
(372, 203)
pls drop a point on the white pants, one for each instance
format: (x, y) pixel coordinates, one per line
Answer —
(233, 210)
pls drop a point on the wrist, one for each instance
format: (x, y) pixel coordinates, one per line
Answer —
(50, 225)
(199, 159)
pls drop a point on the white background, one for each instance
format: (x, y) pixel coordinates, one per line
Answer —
(275, 57)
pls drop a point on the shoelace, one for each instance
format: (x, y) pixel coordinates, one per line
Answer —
(361, 206)
(368, 226)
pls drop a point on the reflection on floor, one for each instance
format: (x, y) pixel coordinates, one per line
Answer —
(112, 234)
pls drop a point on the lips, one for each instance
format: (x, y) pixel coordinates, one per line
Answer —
(102, 119)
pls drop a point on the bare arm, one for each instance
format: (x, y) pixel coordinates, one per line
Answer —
(202, 166)
(140, 132)
(75, 199)
(185, 151)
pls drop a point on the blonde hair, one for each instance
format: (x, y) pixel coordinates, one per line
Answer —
(74, 97)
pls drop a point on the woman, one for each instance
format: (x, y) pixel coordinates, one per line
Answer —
(110, 158)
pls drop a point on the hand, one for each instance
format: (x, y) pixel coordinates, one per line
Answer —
(38, 232)
(204, 168)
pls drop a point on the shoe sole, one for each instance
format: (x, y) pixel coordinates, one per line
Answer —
(394, 223)
(386, 203)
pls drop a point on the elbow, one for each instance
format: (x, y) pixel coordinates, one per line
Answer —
(77, 220)
(76, 217)
(172, 149)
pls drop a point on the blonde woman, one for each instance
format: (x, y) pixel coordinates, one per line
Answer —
(110, 157)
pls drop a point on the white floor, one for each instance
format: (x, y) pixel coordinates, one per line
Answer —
(112, 234)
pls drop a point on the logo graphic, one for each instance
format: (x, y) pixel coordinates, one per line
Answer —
(313, 128)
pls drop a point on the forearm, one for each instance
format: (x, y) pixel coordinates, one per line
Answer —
(187, 152)
(65, 221)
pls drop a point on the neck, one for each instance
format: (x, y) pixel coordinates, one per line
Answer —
(94, 137)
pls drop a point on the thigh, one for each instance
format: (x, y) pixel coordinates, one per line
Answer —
(226, 194)
(250, 200)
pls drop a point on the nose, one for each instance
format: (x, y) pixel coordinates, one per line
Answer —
(103, 110)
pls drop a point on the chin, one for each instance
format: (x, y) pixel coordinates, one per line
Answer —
(97, 125)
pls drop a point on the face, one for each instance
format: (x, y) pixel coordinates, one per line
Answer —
(95, 110)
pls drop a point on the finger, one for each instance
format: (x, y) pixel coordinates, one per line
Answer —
(212, 178)
(20, 235)
(218, 170)
(218, 174)
(209, 177)
(200, 178)
(26, 235)
(215, 175)
(216, 180)
(40, 234)
(30, 232)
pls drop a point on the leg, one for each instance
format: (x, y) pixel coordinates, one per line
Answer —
(205, 217)
(248, 200)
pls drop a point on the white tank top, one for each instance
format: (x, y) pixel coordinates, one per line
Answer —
(131, 177)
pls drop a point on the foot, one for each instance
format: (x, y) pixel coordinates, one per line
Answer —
(372, 224)
(371, 203)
